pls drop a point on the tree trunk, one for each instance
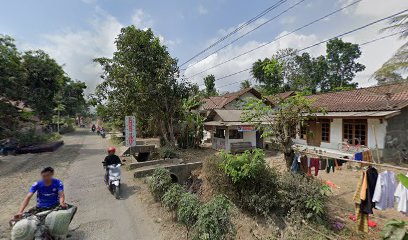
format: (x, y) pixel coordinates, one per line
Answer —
(171, 133)
(164, 132)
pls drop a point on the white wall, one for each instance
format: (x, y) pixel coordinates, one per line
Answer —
(247, 137)
(380, 132)
(336, 134)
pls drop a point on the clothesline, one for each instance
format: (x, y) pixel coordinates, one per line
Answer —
(351, 160)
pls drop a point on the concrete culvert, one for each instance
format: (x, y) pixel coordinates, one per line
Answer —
(174, 178)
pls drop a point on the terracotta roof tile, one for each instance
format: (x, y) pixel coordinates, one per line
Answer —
(378, 98)
(218, 102)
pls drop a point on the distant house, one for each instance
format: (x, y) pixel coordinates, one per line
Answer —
(376, 117)
(224, 124)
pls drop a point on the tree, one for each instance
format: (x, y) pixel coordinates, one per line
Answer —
(281, 123)
(12, 77)
(209, 82)
(141, 80)
(270, 74)
(245, 84)
(341, 64)
(311, 73)
(399, 62)
(45, 78)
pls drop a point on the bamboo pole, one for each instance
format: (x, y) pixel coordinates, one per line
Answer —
(350, 160)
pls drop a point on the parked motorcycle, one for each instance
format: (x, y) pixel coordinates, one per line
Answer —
(112, 179)
(8, 146)
(50, 224)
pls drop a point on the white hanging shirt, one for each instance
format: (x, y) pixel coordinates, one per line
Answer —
(401, 196)
(384, 190)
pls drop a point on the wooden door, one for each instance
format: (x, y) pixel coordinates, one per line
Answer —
(314, 134)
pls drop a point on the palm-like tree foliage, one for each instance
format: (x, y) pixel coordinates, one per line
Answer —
(399, 62)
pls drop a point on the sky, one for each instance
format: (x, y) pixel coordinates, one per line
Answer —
(76, 31)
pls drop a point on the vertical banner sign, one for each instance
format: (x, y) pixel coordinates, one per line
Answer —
(130, 131)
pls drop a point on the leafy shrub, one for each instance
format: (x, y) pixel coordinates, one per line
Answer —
(159, 183)
(168, 152)
(31, 137)
(306, 195)
(214, 219)
(244, 166)
(171, 198)
(395, 229)
(187, 212)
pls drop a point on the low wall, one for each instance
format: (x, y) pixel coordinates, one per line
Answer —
(179, 172)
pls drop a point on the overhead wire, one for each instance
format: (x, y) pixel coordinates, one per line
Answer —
(326, 40)
(263, 13)
(278, 38)
(247, 33)
(361, 44)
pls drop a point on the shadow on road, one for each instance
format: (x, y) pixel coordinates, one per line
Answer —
(127, 191)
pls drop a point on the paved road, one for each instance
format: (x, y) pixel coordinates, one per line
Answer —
(100, 216)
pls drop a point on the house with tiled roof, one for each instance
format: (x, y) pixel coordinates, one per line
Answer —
(223, 124)
(376, 117)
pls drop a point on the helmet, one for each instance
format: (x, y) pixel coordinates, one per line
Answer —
(111, 150)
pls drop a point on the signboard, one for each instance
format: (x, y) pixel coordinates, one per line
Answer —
(130, 131)
(246, 128)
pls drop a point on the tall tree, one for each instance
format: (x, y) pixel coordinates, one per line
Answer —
(270, 74)
(141, 80)
(280, 124)
(45, 79)
(390, 70)
(246, 84)
(12, 77)
(311, 74)
(209, 82)
(342, 64)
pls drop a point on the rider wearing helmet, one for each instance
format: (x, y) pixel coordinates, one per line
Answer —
(111, 159)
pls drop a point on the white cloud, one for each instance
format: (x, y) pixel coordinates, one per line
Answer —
(294, 41)
(142, 20)
(288, 20)
(89, 1)
(202, 10)
(76, 49)
(376, 8)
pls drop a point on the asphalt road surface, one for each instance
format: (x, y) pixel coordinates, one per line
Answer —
(78, 163)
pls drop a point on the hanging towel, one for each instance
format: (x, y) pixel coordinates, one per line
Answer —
(384, 190)
(361, 217)
(401, 197)
(367, 203)
(295, 164)
(358, 156)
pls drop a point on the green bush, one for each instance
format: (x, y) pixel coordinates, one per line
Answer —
(187, 212)
(31, 137)
(159, 183)
(214, 220)
(306, 195)
(244, 166)
(172, 197)
(168, 152)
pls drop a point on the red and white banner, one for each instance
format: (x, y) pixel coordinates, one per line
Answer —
(130, 131)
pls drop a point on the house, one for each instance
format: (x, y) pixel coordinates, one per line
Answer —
(376, 117)
(224, 124)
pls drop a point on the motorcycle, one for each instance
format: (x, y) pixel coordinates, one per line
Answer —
(8, 146)
(50, 224)
(102, 133)
(112, 179)
(93, 128)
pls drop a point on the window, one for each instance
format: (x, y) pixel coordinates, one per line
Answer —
(219, 133)
(355, 131)
(235, 134)
(303, 131)
(325, 130)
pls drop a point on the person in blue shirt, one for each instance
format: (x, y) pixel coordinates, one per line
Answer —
(50, 193)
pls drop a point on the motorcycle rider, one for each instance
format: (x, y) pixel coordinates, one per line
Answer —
(111, 159)
(50, 193)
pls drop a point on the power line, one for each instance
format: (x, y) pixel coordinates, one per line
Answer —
(263, 13)
(280, 37)
(324, 41)
(361, 44)
(247, 33)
